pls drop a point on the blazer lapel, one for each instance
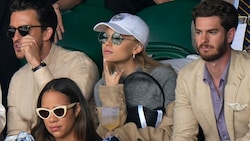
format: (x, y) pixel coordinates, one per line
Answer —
(230, 91)
(205, 103)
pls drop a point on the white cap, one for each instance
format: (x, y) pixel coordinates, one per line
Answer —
(126, 24)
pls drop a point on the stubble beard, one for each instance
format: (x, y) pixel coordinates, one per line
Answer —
(218, 54)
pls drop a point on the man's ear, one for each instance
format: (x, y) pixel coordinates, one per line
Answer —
(230, 35)
(47, 33)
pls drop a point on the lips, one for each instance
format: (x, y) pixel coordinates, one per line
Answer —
(17, 46)
(205, 47)
(107, 52)
(54, 128)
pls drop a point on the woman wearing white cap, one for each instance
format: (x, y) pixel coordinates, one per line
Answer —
(133, 82)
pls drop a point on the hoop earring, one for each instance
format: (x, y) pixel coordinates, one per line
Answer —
(133, 56)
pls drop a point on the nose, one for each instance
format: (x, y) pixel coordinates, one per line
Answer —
(204, 38)
(108, 42)
(16, 36)
(52, 118)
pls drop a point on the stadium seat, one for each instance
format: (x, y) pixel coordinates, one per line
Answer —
(79, 34)
(170, 29)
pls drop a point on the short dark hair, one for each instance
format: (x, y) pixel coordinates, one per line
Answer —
(226, 11)
(84, 124)
(45, 12)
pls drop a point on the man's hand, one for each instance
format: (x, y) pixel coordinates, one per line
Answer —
(31, 50)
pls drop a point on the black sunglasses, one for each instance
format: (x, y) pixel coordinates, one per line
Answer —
(116, 38)
(23, 30)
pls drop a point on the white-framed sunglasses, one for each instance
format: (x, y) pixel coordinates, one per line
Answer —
(59, 111)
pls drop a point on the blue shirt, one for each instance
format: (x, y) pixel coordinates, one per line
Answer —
(218, 101)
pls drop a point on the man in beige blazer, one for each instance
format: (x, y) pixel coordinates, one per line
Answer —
(214, 91)
(32, 27)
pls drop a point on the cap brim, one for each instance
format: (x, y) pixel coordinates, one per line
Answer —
(101, 27)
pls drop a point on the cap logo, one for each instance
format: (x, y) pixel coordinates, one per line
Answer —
(118, 17)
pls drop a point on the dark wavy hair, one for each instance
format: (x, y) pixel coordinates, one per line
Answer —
(226, 11)
(45, 12)
(84, 125)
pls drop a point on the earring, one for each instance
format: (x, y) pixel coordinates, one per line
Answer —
(133, 56)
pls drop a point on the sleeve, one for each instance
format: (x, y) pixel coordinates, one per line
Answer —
(43, 76)
(114, 96)
(111, 96)
(129, 131)
(2, 114)
(185, 129)
(14, 120)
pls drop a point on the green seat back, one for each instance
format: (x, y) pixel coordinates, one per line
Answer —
(95, 3)
(170, 25)
(79, 34)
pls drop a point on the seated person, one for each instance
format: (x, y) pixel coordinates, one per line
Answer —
(213, 92)
(124, 39)
(32, 30)
(63, 113)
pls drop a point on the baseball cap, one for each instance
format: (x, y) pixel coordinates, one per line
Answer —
(126, 24)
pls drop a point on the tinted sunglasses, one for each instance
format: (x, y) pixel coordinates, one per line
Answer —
(23, 30)
(116, 38)
(59, 111)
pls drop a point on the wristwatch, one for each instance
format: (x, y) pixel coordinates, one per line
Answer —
(42, 64)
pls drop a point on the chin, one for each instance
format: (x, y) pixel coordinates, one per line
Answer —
(18, 56)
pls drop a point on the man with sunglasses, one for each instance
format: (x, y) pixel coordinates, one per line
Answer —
(32, 28)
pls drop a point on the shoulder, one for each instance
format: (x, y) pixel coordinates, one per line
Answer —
(162, 71)
(72, 56)
(24, 71)
(240, 57)
(70, 53)
(193, 67)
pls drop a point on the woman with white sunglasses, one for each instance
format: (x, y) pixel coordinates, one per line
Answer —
(63, 114)
(124, 39)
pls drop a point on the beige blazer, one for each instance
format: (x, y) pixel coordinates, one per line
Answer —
(193, 105)
(25, 85)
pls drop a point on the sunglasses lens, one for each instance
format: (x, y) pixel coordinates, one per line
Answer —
(24, 30)
(44, 113)
(116, 38)
(59, 112)
(11, 32)
(103, 37)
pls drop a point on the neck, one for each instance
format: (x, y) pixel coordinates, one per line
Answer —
(45, 49)
(217, 67)
(127, 67)
(68, 138)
